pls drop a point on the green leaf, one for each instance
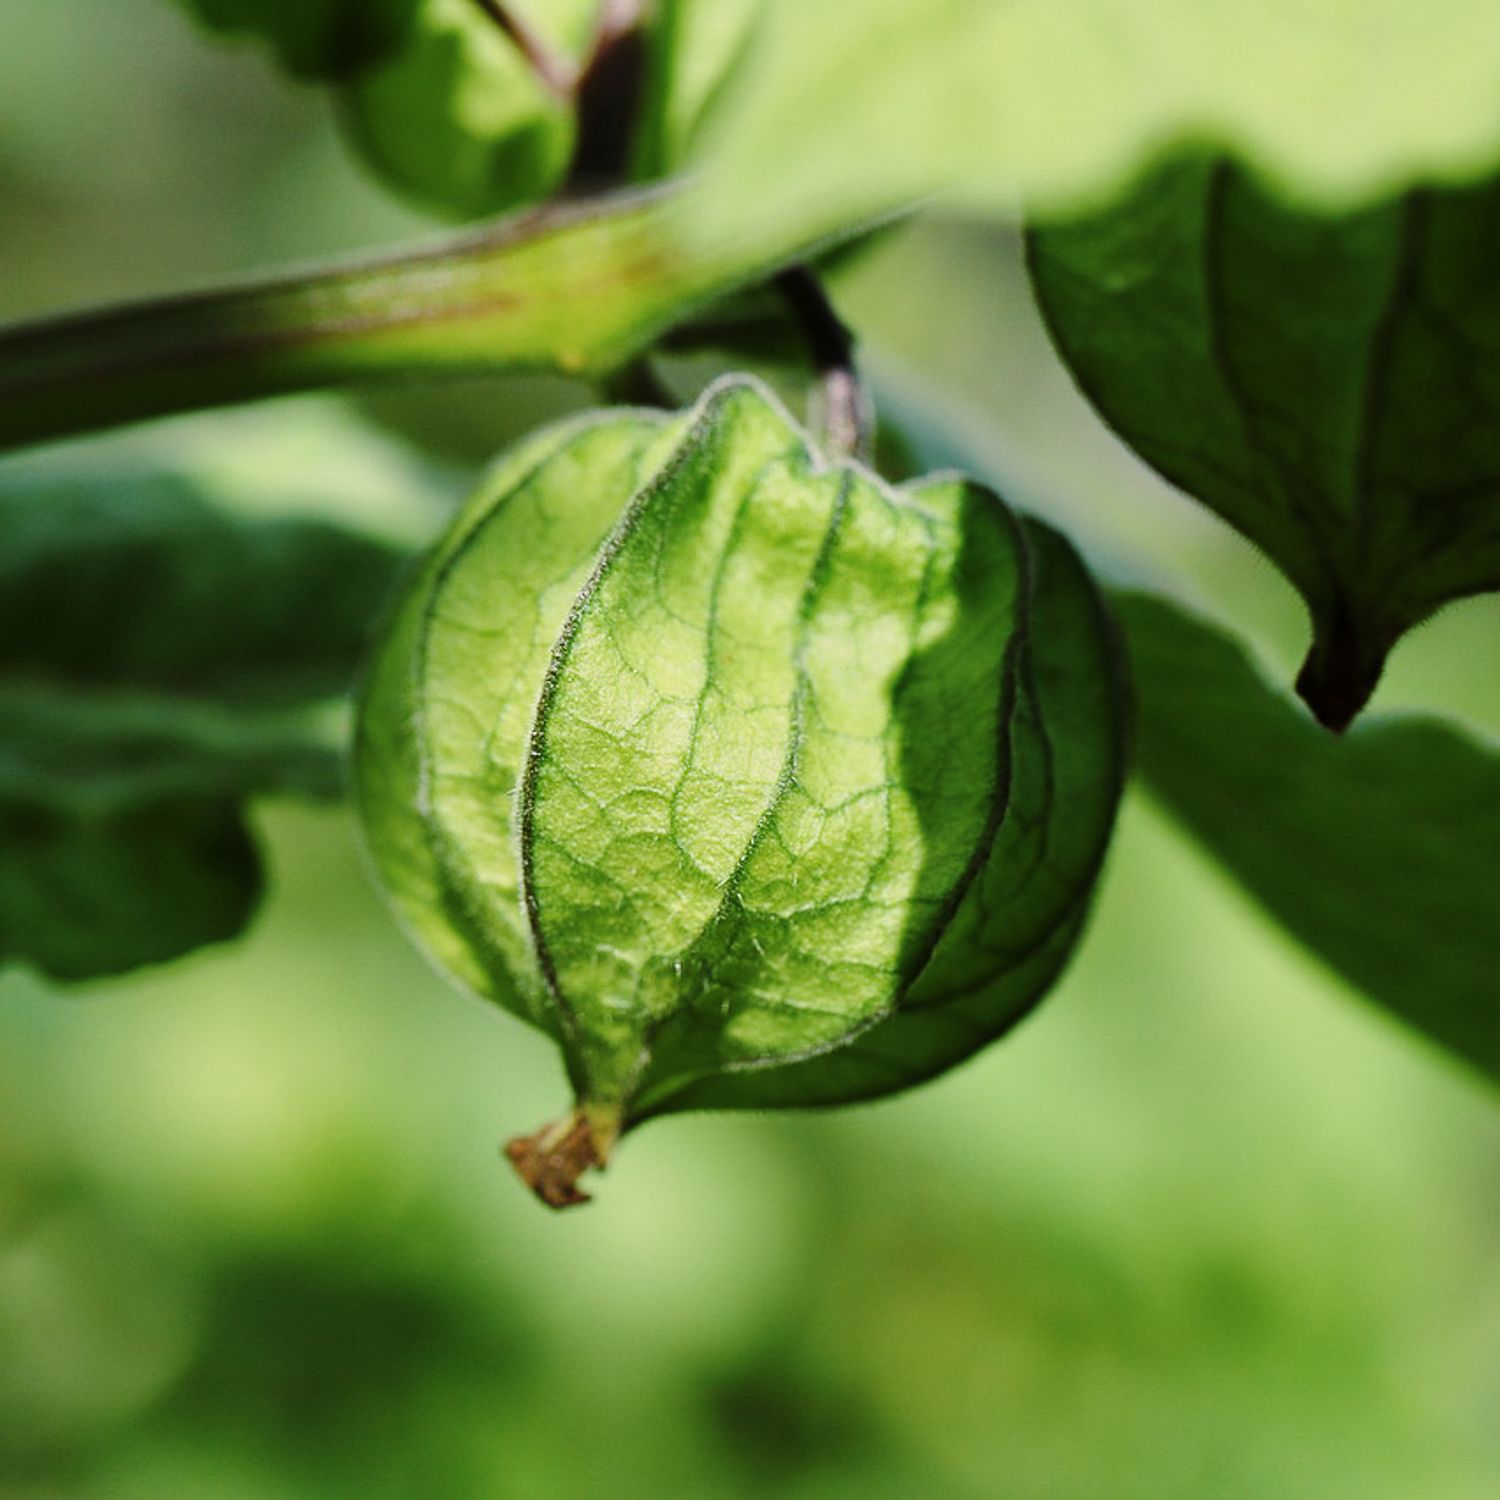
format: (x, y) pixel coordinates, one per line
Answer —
(749, 778)
(1380, 850)
(314, 38)
(160, 662)
(145, 587)
(1331, 387)
(456, 118)
(122, 821)
(446, 108)
(1056, 102)
(702, 49)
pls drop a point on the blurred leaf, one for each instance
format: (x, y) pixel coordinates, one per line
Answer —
(1380, 851)
(152, 651)
(125, 840)
(456, 118)
(135, 582)
(448, 110)
(1329, 386)
(701, 51)
(314, 38)
(1055, 101)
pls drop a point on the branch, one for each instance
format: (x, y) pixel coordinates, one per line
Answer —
(610, 94)
(606, 91)
(556, 74)
(578, 288)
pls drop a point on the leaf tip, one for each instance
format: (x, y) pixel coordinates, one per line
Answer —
(1340, 674)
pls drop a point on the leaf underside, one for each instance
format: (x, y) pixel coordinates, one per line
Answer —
(1329, 386)
(1056, 103)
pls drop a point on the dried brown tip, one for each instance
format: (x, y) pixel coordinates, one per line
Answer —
(551, 1161)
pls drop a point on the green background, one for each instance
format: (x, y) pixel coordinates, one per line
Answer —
(1206, 1226)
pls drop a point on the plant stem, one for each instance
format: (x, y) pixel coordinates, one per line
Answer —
(556, 74)
(610, 96)
(637, 383)
(579, 287)
(843, 407)
(607, 91)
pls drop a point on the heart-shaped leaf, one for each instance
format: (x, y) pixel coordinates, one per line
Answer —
(1329, 386)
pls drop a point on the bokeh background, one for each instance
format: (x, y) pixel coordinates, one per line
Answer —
(1206, 1226)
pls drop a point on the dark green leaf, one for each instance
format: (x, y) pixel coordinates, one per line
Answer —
(1330, 386)
(122, 824)
(314, 38)
(160, 662)
(1381, 850)
(135, 582)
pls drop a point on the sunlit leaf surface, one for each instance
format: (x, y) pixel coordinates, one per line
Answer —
(851, 111)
